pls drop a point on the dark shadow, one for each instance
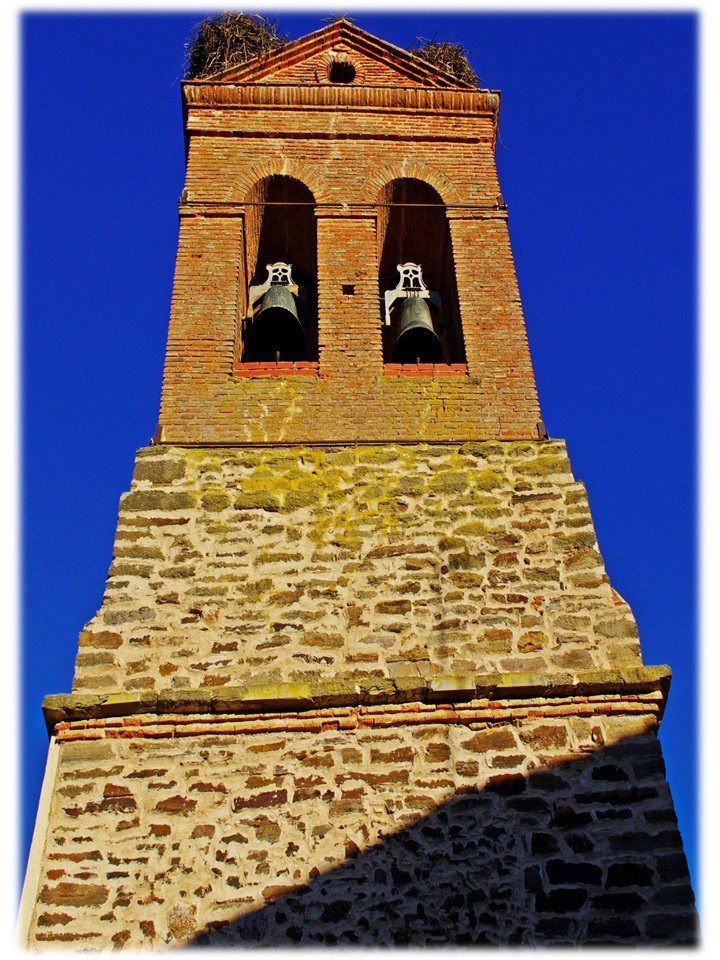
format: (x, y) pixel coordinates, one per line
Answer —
(585, 852)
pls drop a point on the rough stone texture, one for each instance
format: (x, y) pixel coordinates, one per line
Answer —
(292, 564)
(367, 826)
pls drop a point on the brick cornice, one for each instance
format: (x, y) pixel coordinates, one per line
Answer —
(198, 94)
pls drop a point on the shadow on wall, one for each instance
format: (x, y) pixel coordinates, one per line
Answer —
(584, 852)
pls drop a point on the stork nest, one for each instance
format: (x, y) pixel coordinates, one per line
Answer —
(227, 39)
(448, 56)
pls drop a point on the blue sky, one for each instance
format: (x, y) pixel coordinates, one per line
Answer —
(597, 162)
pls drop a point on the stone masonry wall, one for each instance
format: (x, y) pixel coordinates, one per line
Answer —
(301, 563)
(526, 822)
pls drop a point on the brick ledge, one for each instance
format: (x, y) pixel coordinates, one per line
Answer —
(426, 369)
(345, 692)
(277, 368)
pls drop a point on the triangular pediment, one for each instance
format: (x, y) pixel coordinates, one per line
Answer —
(318, 58)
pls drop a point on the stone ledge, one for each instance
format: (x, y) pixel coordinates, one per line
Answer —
(274, 698)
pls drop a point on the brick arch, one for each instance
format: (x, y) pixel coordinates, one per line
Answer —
(285, 168)
(411, 170)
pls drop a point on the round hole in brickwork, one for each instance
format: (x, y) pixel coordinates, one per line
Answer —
(341, 71)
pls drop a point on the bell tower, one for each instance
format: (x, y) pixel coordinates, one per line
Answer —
(359, 676)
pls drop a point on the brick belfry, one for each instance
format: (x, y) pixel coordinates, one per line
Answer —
(359, 676)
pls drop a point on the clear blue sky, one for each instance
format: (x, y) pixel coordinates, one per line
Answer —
(597, 162)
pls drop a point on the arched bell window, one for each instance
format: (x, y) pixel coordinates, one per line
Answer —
(418, 290)
(280, 321)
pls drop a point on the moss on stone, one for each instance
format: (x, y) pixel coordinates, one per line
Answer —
(489, 479)
(256, 589)
(215, 500)
(349, 541)
(544, 466)
(473, 528)
(480, 448)
(452, 543)
(164, 500)
(258, 500)
(392, 510)
(576, 494)
(140, 552)
(523, 449)
(478, 528)
(121, 568)
(377, 455)
(464, 560)
(162, 470)
(488, 507)
(342, 457)
(412, 486)
(579, 520)
(270, 555)
(180, 571)
(449, 482)
(579, 540)
(334, 478)
(283, 462)
(308, 496)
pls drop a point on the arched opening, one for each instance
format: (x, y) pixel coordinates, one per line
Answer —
(280, 320)
(341, 71)
(413, 230)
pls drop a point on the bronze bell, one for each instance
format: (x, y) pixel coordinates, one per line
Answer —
(276, 332)
(416, 340)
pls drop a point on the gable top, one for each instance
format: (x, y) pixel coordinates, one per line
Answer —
(308, 60)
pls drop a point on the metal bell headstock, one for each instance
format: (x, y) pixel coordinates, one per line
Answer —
(275, 329)
(415, 339)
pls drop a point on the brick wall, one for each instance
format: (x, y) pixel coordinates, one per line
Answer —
(306, 62)
(346, 154)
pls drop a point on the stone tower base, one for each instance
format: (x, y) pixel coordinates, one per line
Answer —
(358, 695)
(488, 810)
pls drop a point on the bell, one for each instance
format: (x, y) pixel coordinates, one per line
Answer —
(276, 332)
(416, 340)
